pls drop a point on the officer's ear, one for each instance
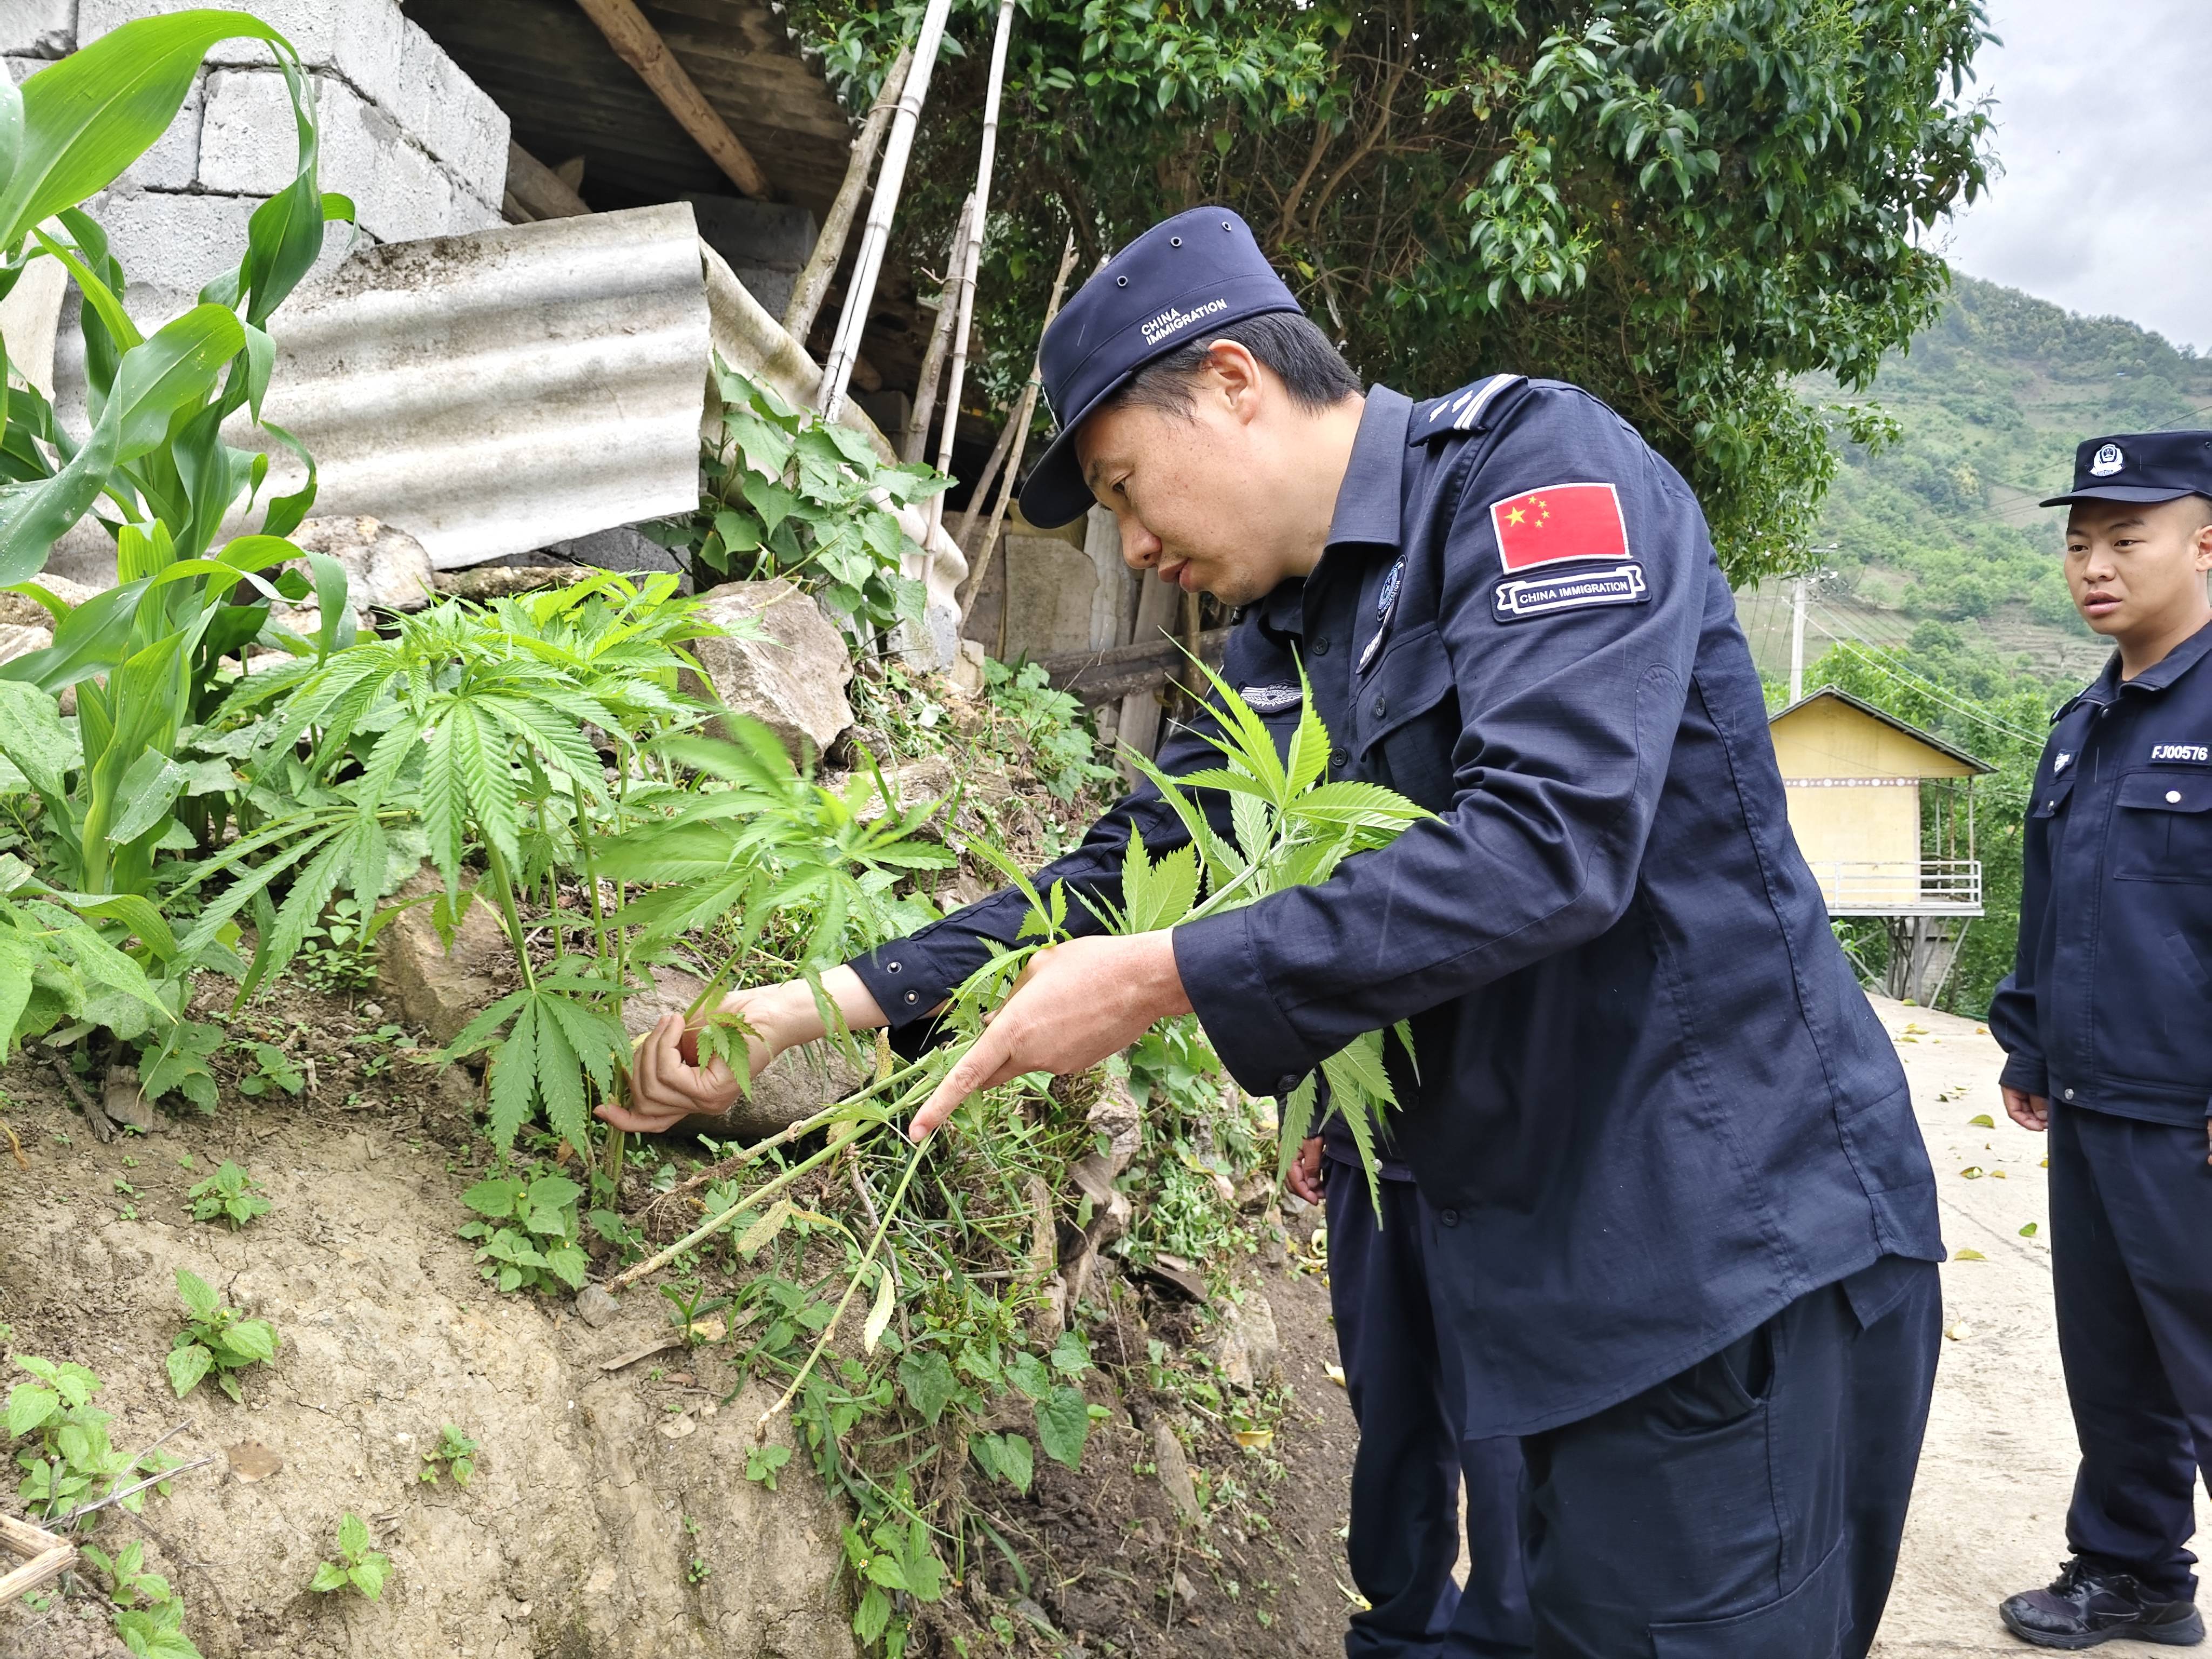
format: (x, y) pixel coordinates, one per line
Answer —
(2201, 537)
(1233, 375)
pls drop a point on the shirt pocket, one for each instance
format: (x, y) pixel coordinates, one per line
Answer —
(2162, 828)
(1407, 716)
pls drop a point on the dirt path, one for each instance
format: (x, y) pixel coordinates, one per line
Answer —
(1989, 1512)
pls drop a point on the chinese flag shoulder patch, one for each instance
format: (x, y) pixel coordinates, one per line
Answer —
(1560, 521)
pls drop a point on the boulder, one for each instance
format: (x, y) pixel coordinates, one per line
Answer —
(1174, 1472)
(438, 989)
(386, 568)
(20, 640)
(966, 672)
(1246, 1347)
(24, 611)
(790, 674)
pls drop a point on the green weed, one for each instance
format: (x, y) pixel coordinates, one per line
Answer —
(215, 1339)
(359, 1567)
(455, 1453)
(229, 1194)
(530, 1232)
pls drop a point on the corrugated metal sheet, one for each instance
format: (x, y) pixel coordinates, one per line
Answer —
(499, 392)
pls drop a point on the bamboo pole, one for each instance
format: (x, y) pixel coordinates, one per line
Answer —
(1023, 410)
(979, 497)
(813, 284)
(875, 235)
(638, 43)
(916, 439)
(973, 254)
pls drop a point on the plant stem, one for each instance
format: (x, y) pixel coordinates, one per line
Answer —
(707, 1229)
(891, 1210)
(505, 890)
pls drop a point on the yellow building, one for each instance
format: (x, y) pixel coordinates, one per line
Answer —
(1854, 778)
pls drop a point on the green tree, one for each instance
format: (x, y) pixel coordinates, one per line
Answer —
(1682, 206)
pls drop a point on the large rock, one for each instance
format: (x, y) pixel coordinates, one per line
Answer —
(791, 676)
(24, 611)
(386, 568)
(17, 640)
(593, 1495)
(1246, 1347)
(438, 989)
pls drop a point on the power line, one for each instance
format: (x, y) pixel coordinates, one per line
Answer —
(1842, 634)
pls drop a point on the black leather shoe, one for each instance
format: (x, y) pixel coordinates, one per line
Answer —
(2082, 1608)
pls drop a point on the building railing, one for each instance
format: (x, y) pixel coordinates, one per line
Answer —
(1930, 887)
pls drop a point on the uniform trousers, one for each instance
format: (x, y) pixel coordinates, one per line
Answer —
(2131, 1262)
(1749, 1507)
(1407, 1472)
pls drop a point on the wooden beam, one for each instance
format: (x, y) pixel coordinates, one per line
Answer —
(541, 193)
(1097, 677)
(638, 43)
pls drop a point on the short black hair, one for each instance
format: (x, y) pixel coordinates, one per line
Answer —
(1312, 370)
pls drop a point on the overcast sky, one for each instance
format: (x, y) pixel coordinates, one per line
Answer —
(2106, 203)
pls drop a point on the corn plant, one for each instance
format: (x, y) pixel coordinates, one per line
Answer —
(154, 451)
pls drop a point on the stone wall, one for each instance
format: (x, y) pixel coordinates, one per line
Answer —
(418, 147)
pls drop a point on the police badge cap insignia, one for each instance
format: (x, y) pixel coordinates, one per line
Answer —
(2108, 460)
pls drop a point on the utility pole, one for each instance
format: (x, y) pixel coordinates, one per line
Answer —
(1797, 639)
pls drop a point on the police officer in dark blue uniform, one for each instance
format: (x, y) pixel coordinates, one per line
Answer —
(1678, 1225)
(2105, 1023)
(1406, 1475)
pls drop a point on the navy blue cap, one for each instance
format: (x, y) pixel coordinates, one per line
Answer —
(2141, 467)
(1191, 275)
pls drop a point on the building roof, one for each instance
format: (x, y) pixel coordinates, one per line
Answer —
(1973, 762)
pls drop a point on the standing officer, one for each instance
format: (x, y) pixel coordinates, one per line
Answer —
(1679, 1225)
(1406, 1485)
(2104, 1022)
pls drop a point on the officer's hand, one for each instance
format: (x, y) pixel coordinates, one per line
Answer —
(2029, 1111)
(1076, 1003)
(668, 1084)
(1305, 1177)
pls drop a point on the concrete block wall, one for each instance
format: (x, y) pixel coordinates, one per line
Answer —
(420, 150)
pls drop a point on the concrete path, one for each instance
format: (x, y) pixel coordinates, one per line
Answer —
(1989, 1512)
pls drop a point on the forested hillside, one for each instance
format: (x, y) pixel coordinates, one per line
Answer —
(1942, 596)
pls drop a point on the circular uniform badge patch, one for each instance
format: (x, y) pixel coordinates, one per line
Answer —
(2107, 461)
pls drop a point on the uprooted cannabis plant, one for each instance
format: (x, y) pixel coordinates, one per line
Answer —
(945, 1345)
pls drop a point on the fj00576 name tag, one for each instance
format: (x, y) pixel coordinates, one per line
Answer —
(1544, 596)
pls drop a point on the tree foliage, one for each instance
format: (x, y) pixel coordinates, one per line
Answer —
(1682, 204)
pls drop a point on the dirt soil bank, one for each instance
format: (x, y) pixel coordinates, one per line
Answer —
(609, 1517)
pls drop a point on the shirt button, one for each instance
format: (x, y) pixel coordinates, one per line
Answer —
(2173, 795)
(1340, 758)
(1380, 704)
(891, 967)
(1320, 645)
(1450, 1217)
(2069, 1094)
(912, 996)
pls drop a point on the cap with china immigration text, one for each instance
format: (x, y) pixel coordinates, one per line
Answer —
(1195, 273)
(2141, 467)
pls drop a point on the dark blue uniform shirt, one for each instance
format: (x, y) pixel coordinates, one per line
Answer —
(2107, 1003)
(1653, 1106)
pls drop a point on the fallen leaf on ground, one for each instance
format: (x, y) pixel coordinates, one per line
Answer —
(1336, 1374)
(250, 1461)
(1982, 1121)
(2029, 1230)
(1968, 1255)
(1972, 1172)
